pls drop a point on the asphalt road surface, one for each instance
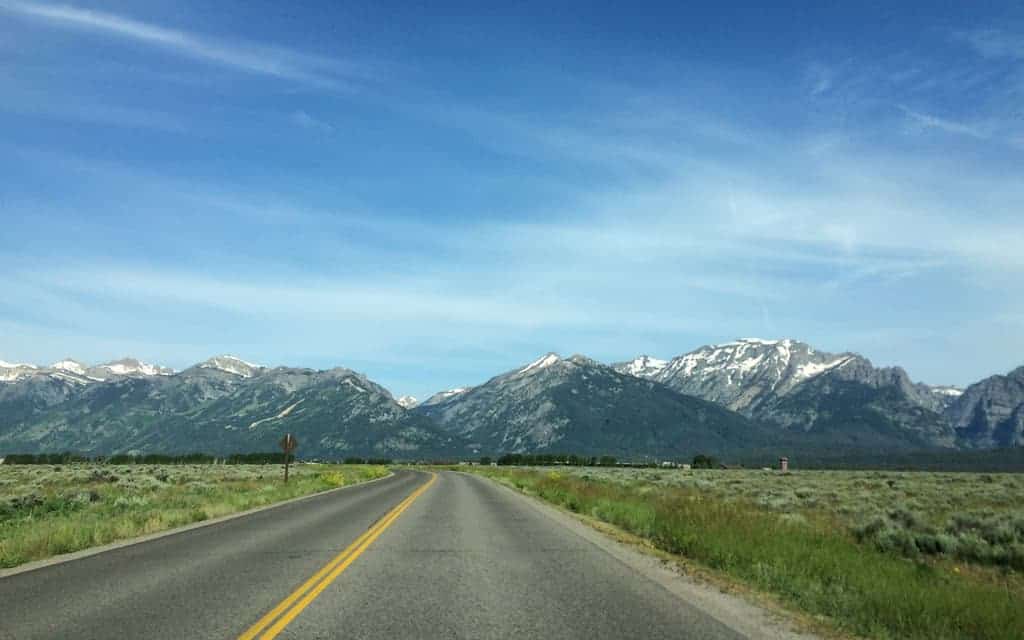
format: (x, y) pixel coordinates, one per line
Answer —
(412, 556)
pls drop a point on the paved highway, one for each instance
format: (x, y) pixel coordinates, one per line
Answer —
(412, 556)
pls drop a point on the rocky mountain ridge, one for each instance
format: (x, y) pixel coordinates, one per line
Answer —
(75, 371)
(990, 413)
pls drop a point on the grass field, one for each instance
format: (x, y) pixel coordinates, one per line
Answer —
(878, 554)
(972, 517)
(51, 509)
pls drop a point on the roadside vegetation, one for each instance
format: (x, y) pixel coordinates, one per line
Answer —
(52, 509)
(880, 554)
(970, 517)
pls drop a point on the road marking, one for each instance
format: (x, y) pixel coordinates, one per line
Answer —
(310, 589)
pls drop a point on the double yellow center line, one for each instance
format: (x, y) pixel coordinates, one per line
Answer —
(270, 625)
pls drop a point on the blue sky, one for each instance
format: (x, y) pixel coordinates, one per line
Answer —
(434, 193)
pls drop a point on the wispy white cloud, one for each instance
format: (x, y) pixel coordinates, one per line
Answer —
(854, 88)
(994, 43)
(256, 59)
(85, 110)
(389, 303)
(302, 119)
(949, 126)
(819, 78)
(631, 139)
(870, 211)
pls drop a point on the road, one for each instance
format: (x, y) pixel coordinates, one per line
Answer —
(416, 555)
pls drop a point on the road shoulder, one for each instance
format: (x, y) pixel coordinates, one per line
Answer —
(734, 611)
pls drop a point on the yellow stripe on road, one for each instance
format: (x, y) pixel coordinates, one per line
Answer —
(310, 589)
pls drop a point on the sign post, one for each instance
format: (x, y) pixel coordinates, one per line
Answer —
(288, 445)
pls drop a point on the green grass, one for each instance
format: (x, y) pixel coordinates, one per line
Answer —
(52, 509)
(808, 558)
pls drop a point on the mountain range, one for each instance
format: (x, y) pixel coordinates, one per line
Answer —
(741, 396)
(577, 404)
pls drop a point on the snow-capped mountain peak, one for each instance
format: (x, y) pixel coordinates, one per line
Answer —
(642, 366)
(407, 401)
(232, 364)
(742, 372)
(70, 366)
(540, 363)
(132, 367)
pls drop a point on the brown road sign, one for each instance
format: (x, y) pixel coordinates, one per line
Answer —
(288, 443)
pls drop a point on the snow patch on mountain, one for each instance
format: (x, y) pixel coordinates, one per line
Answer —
(283, 414)
(11, 372)
(355, 386)
(71, 376)
(811, 369)
(442, 396)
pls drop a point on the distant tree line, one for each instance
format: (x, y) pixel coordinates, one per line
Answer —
(550, 459)
(991, 461)
(43, 458)
(380, 461)
(151, 458)
(700, 461)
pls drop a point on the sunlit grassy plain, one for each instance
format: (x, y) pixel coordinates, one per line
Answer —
(876, 554)
(51, 509)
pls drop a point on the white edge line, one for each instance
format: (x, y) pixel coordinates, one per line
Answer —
(149, 537)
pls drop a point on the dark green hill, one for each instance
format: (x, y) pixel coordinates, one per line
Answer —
(334, 414)
(830, 412)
